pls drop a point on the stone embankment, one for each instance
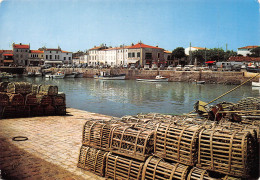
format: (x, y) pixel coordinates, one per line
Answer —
(212, 77)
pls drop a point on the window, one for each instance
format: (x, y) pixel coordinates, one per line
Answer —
(148, 55)
(25, 50)
(67, 53)
(138, 54)
(16, 50)
(56, 52)
(50, 51)
(129, 55)
(69, 58)
(64, 58)
(58, 56)
(46, 56)
(50, 56)
(133, 54)
(158, 55)
(21, 56)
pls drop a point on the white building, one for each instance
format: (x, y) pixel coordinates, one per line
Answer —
(245, 50)
(136, 54)
(57, 56)
(188, 49)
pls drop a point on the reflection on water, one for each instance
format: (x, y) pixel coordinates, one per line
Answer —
(118, 98)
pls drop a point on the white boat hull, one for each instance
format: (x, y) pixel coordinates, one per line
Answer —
(154, 80)
(110, 77)
(256, 84)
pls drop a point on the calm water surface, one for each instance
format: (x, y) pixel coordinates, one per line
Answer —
(119, 98)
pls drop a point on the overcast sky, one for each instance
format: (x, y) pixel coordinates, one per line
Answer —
(81, 24)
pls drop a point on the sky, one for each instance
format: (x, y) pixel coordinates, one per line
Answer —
(82, 24)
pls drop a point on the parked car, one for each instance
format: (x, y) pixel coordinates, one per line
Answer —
(132, 66)
(214, 68)
(146, 67)
(236, 67)
(188, 67)
(170, 67)
(178, 68)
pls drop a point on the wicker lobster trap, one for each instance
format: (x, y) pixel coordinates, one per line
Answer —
(126, 141)
(158, 169)
(49, 110)
(48, 90)
(4, 99)
(177, 143)
(22, 111)
(93, 160)
(19, 87)
(197, 174)
(59, 100)
(227, 151)
(31, 99)
(44, 100)
(60, 110)
(37, 110)
(96, 133)
(3, 86)
(122, 168)
(16, 99)
(8, 111)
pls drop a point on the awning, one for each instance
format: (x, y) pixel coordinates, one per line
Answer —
(55, 62)
(8, 54)
(210, 62)
(8, 61)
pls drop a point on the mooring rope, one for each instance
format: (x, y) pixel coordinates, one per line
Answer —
(228, 91)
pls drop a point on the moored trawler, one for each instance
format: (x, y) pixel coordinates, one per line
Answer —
(106, 76)
(58, 75)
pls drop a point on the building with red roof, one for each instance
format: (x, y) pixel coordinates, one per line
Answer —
(190, 49)
(6, 55)
(21, 53)
(246, 50)
(138, 54)
(36, 57)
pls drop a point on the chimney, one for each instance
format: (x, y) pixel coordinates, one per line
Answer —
(20, 43)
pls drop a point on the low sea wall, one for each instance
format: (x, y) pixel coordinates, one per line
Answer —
(213, 77)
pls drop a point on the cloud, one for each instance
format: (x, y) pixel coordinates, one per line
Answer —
(259, 1)
(3, 0)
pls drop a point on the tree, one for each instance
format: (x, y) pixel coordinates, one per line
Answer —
(255, 52)
(178, 53)
(215, 54)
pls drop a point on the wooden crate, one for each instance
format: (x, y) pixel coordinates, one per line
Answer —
(48, 90)
(126, 141)
(44, 100)
(60, 110)
(93, 160)
(158, 169)
(16, 99)
(3, 86)
(96, 133)
(4, 99)
(198, 174)
(31, 99)
(227, 151)
(122, 168)
(177, 143)
(19, 87)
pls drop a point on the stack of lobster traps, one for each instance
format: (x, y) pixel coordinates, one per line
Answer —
(23, 99)
(156, 146)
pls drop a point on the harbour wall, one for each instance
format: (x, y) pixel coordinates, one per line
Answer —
(213, 77)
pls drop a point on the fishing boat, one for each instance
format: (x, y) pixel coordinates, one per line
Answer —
(58, 75)
(79, 75)
(38, 74)
(256, 84)
(199, 82)
(106, 76)
(157, 78)
(71, 75)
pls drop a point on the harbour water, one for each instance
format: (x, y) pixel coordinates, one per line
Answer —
(128, 97)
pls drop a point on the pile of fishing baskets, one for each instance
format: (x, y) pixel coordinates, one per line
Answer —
(23, 99)
(155, 146)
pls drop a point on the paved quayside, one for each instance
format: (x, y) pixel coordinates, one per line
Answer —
(52, 148)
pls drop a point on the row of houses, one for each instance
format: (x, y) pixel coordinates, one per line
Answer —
(138, 54)
(22, 55)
